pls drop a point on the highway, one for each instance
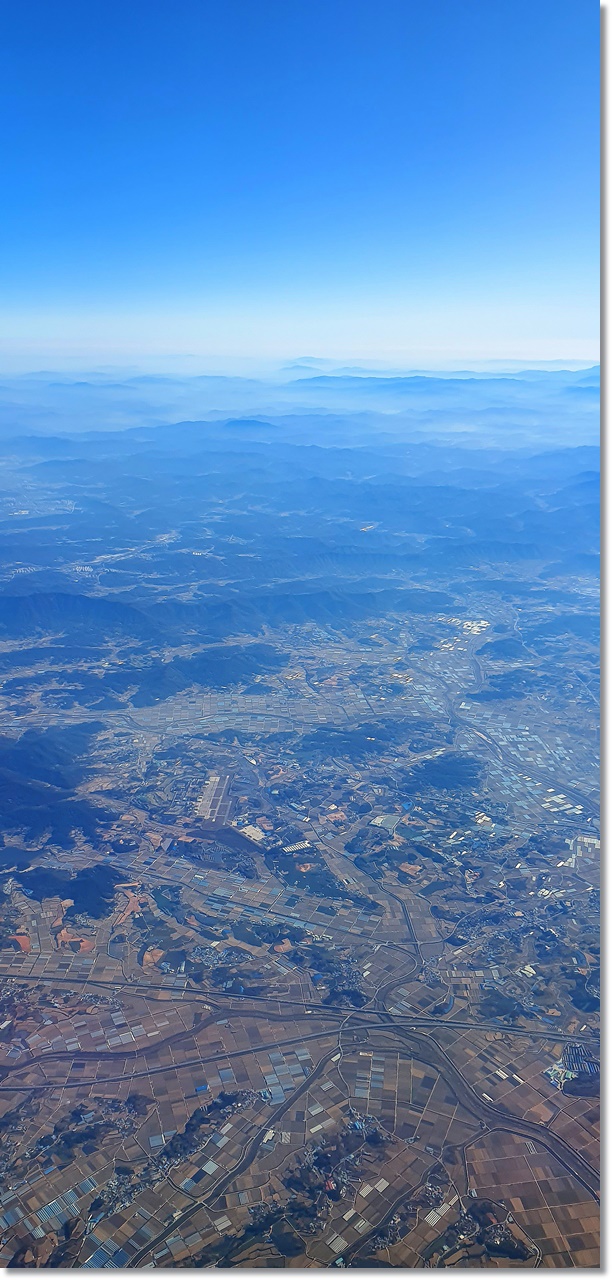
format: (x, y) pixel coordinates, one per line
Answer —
(237, 1005)
(427, 1050)
(367, 1019)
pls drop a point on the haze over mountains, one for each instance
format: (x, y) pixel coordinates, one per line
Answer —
(184, 550)
(329, 404)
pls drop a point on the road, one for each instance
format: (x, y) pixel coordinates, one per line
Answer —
(360, 1019)
(169, 1066)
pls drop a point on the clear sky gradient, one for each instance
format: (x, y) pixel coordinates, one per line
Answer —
(394, 179)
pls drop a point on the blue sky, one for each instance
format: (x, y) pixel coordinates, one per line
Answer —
(395, 179)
